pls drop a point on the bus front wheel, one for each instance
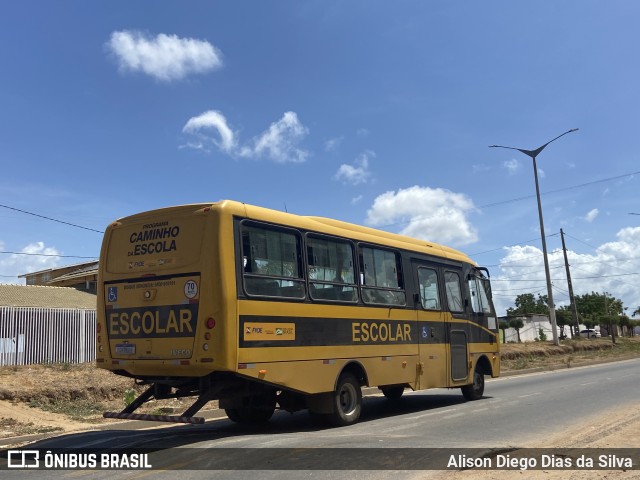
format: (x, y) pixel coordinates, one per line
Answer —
(476, 389)
(347, 401)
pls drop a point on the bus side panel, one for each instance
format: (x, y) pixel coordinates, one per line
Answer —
(282, 332)
(318, 376)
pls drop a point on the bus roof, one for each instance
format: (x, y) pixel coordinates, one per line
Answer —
(324, 225)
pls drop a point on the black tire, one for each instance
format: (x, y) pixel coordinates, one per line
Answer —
(253, 410)
(246, 415)
(394, 392)
(233, 414)
(347, 401)
(476, 389)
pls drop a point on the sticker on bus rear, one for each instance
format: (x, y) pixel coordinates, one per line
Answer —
(191, 289)
(112, 294)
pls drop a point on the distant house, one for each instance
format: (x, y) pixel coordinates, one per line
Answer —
(42, 324)
(81, 276)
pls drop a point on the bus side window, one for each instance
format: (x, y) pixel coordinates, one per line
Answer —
(272, 267)
(381, 277)
(454, 292)
(479, 298)
(331, 269)
(428, 283)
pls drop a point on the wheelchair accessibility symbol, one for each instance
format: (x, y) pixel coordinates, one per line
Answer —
(112, 294)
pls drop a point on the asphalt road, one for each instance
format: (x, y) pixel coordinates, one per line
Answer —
(515, 410)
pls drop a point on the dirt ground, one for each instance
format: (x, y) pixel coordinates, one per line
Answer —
(64, 398)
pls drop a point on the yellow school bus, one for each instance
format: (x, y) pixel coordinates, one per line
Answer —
(262, 309)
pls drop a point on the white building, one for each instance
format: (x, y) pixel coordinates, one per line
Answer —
(533, 324)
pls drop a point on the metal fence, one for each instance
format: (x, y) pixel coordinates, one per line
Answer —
(31, 335)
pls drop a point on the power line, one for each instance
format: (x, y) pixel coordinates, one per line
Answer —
(561, 189)
(542, 287)
(538, 290)
(615, 259)
(514, 245)
(558, 279)
(581, 241)
(526, 197)
(51, 219)
(564, 292)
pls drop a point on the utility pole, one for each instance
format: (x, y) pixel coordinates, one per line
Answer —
(610, 324)
(533, 154)
(574, 310)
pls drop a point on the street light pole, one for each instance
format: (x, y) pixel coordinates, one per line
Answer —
(533, 154)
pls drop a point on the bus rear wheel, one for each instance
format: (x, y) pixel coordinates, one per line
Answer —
(253, 410)
(347, 401)
(476, 389)
(394, 392)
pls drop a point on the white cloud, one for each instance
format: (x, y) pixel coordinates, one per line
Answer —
(512, 166)
(164, 57)
(612, 269)
(591, 216)
(358, 172)
(278, 143)
(215, 120)
(332, 144)
(14, 264)
(433, 214)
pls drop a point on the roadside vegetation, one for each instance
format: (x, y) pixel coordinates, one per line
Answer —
(570, 353)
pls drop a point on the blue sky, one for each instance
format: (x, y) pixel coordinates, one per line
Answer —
(377, 113)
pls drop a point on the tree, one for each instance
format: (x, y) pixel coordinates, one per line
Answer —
(636, 312)
(611, 321)
(634, 324)
(503, 326)
(625, 323)
(598, 304)
(563, 318)
(589, 322)
(516, 324)
(526, 304)
(599, 308)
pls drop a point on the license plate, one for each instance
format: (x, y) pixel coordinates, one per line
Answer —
(125, 349)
